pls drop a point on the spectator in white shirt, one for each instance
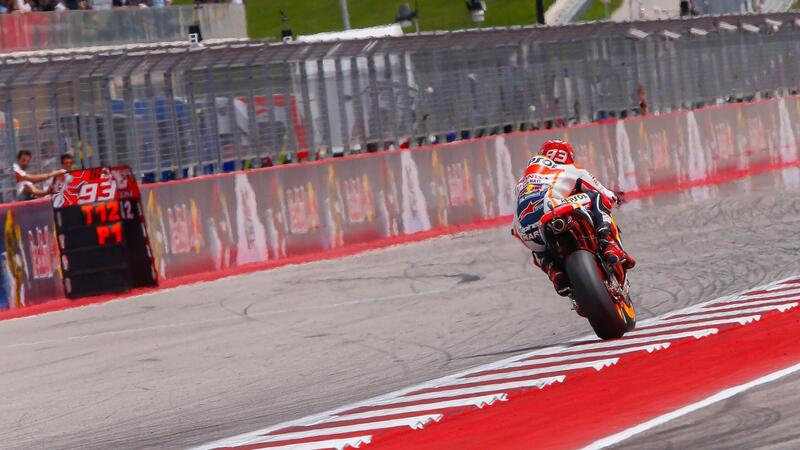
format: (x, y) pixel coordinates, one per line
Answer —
(23, 6)
(26, 190)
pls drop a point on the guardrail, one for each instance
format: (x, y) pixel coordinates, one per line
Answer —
(223, 224)
(175, 113)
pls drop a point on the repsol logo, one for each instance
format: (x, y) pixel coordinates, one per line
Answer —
(543, 161)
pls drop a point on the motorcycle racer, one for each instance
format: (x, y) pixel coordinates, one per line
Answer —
(551, 178)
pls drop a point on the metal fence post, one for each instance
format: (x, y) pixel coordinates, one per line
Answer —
(285, 91)
(169, 103)
(358, 105)
(196, 138)
(391, 99)
(111, 140)
(322, 92)
(7, 183)
(523, 94)
(588, 70)
(537, 72)
(52, 88)
(212, 93)
(37, 149)
(89, 79)
(342, 101)
(253, 134)
(746, 81)
(374, 102)
(270, 101)
(656, 91)
(410, 104)
(307, 111)
(547, 83)
(152, 116)
(130, 113)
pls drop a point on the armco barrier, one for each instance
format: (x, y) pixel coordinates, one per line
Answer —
(226, 223)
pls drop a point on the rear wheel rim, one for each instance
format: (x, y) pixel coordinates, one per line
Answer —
(626, 311)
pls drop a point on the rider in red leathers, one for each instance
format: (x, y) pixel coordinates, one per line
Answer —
(552, 178)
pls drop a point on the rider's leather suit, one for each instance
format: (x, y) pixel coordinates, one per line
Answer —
(545, 185)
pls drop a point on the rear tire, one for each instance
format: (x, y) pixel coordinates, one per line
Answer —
(592, 296)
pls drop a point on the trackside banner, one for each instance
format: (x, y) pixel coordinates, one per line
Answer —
(31, 272)
(232, 220)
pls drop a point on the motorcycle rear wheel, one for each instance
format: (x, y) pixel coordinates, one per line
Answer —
(591, 294)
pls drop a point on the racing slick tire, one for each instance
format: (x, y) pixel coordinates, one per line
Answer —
(591, 294)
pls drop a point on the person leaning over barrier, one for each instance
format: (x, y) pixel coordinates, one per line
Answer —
(26, 190)
(57, 181)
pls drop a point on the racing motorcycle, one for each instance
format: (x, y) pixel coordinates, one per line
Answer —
(599, 289)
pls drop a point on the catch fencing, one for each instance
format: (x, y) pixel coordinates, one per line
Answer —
(221, 224)
(182, 112)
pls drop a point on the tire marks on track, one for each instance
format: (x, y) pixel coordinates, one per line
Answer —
(418, 406)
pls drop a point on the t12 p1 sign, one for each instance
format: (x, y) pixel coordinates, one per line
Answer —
(102, 235)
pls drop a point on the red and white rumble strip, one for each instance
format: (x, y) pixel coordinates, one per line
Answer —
(413, 408)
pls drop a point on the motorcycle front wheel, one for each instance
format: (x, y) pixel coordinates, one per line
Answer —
(591, 294)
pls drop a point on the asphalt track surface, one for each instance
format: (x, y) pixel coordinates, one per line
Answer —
(193, 364)
(764, 418)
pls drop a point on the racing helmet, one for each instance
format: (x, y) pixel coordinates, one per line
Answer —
(558, 151)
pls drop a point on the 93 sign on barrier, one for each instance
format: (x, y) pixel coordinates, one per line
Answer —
(101, 232)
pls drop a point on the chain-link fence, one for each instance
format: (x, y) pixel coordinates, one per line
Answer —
(179, 112)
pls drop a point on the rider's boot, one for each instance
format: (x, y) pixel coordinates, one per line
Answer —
(612, 250)
(557, 276)
(559, 279)
(608, 233)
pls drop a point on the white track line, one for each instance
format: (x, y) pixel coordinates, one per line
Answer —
(642, 348)
(415, 423)
(748, 304)
(595, 364)
(701, 315)
(718, 397)
(498, 387)
(768, 293)
(338, 444)
(592, 343)
(744, 320)
(478, 402)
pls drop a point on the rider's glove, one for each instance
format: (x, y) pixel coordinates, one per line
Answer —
(619, 197)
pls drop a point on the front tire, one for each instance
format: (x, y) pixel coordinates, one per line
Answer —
(592, 296)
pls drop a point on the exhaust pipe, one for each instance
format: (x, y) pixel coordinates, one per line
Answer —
(558, 224)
